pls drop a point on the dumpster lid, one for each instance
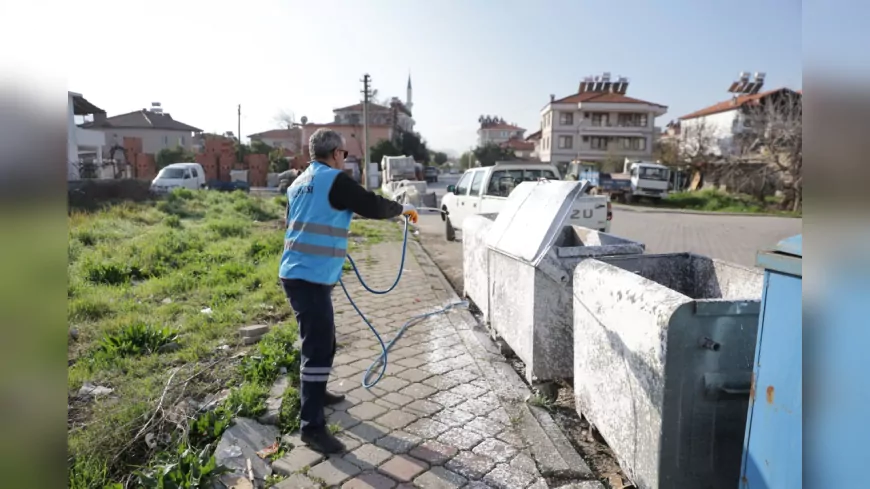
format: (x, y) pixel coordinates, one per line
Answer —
(791, 246)
(785, 257)
(532, 217)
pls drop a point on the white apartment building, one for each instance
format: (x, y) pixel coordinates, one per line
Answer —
(716, 130)
(597, 123)
(494, 130)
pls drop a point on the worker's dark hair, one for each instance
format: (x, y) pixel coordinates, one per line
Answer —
(323, 142)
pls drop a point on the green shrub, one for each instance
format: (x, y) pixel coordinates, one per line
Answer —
(90, 474)
(248, 400)
(111, 273)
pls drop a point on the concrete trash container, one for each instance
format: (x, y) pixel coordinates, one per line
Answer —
(663, 350)
(533, 252)
(475, 261)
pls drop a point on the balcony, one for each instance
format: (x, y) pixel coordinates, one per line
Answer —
(90, 138)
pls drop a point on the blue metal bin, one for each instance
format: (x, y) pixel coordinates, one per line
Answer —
(772, 448)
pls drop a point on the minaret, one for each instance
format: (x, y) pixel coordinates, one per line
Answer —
(408, 99)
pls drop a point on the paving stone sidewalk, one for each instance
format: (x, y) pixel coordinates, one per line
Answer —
(448, 413)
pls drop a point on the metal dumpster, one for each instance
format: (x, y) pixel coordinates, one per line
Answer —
(773, 443)
(475, 261)
(532, 254)
(663, 348)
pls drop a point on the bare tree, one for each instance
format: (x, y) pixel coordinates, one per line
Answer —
(285, 119)
(772, 135)
(698, 147)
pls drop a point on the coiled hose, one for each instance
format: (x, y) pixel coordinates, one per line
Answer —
(381, 361)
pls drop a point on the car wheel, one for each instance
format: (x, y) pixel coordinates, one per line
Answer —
(449, 232)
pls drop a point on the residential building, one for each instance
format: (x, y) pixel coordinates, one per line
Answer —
(535, 139)
(598, 123)
(716, 130)
(289, 139)
(352, 134)
(494, 130)
(82, 144)
(157, 129)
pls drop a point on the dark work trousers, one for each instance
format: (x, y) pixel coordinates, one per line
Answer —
(312, 304)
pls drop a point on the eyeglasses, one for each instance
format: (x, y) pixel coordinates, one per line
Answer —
(343, 152)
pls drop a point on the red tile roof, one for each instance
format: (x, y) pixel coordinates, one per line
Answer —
(504, 127)
(359, 106)
(534, 136)
(602, 97)
(519, 145)
(278, 134)
(732, 104)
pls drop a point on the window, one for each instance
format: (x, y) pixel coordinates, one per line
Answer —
(632, 120)
(476, 183)
(464, 182)
(194, 173)
(181, 140)
(566, 142)
(533, 175)
(174, 173)
(598, 142)
(566, 118)
(660, 174)
(500, 184)
(166, 140)
(504, 134)
(600, 119)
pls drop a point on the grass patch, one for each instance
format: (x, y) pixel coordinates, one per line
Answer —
(138, 278)
(713, 200)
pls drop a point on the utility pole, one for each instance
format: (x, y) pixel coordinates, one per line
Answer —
(366, 95)
(239, 134)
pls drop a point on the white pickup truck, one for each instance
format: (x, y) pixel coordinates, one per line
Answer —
(484, 191)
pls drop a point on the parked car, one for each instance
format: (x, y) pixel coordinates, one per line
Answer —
(285, 179)
(485, 190)
(431, 174)
(179, 175)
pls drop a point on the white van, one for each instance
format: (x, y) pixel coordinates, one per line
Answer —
(179, 175)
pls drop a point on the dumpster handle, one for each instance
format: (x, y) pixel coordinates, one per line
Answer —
(725, 387)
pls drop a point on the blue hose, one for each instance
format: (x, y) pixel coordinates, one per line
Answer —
(381, 361)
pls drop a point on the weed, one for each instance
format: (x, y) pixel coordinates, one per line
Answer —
(334, 428)
(274, 352)
(272, 480)
(540, 401)
(288, 416)
(209, 426)
(229, 228)
(136, 339)
(248, 400)
(186, 468)
(90, 474)
(172, 221)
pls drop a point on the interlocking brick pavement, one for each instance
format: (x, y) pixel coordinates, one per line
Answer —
(434, 420)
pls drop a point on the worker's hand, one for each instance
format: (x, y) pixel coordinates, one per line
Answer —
(410, 212)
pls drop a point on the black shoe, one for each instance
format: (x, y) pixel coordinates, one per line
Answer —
(322, 441)
(331, 399)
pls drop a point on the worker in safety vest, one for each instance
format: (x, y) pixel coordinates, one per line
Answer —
(320, 204)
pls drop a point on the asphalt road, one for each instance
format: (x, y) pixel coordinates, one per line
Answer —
(732, 238)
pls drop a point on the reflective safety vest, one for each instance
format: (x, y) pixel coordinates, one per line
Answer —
(315, 243)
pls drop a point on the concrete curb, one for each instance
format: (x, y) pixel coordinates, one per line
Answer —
(553, 453)
(664, 210)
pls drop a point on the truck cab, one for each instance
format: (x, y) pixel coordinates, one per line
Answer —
(484, 191)
(648, 179)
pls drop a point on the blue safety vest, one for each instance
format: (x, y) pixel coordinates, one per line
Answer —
(315, 244)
